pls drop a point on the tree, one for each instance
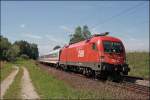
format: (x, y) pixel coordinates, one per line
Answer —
(34, 54)
(86, 33)
(19, 48)
(31, 50)
(24, 47)
(80, 34)
(77, 36)
(56, 47)
(4, 46)
(13, 52)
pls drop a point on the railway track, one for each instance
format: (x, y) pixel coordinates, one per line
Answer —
(132, 87)
(129, 83)
(132, 79)
(126, 84)
(137, 88)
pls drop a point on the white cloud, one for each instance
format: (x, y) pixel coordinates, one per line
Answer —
(94, 31)
(50, 37)
(32, 36)
(67, 29)
(48, 42)
(54, 39)
(22, 25)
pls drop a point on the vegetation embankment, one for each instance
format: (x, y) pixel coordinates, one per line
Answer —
(139, 64)
(15, 88)
(49, 87)
(5, 70)
(10, 51)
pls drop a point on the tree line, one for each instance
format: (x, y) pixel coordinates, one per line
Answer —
(10, 51)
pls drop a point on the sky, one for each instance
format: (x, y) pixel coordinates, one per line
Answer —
(49, 23)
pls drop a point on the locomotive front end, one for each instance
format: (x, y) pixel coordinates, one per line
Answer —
(112, 57)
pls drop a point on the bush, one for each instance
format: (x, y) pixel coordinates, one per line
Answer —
(13, 52)
(24, 56)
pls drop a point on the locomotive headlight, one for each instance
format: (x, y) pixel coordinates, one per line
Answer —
(102, 58)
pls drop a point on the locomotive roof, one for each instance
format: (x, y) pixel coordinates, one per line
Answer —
(96, 38)
(109, 38)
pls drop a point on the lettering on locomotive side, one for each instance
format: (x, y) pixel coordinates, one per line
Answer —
(80, 53)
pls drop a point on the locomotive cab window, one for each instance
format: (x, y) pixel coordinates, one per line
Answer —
(110, 47)
(94, 46)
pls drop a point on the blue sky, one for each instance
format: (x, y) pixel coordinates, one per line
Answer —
(49, 23)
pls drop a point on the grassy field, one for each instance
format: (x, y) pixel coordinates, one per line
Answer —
(5, 70)
(139, 64)
(15, 88)
(49, 87)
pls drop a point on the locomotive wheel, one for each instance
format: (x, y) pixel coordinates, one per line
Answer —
(103, 75)
(65, 68)
(61, 67)
(57, 66)
(84, 71)
(117, 77)
(93, 74)
(87, 72)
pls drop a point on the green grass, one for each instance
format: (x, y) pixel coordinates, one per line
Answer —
(139, 64)
(15, 88)
(49, 87)
(5, 70)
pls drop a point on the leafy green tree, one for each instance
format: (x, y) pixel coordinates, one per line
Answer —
(31, 50)
(86, 33)
(19, 48)
(4, 46)
(77, 36)
(24, 47)
(13, 52)
(34, 51)
(80, 34)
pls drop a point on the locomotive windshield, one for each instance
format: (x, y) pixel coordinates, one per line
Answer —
(110, 47)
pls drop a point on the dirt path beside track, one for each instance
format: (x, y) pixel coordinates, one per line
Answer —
(27, 90)
(8, 81)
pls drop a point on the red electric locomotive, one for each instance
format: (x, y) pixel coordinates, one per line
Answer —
(101, 56)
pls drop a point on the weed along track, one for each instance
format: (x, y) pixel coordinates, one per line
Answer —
(82, 83)
(8, 81)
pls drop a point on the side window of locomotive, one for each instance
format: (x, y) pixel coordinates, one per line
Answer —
(94, 46)
(107, 46)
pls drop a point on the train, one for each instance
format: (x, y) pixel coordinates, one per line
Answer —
(99, 56)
